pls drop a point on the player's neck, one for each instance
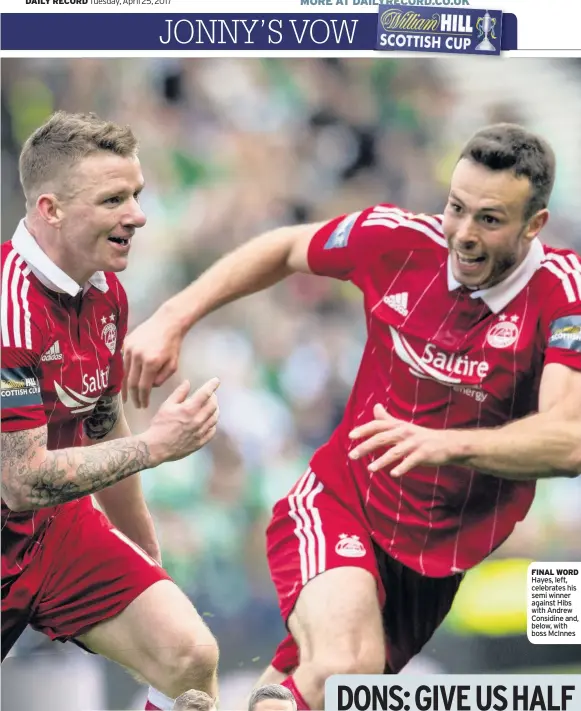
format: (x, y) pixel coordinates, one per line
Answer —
(57, 253)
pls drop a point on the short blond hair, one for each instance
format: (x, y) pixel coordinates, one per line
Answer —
(194, 700)
(65, 139)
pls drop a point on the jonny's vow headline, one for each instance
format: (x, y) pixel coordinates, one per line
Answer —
(249, 31)
(92, 31)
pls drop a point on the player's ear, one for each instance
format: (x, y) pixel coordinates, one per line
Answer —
(50, 209)
(536, 224)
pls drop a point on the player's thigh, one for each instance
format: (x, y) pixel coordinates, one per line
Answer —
(91, 573)
(323, 565)
(338, 615)
(105, 592)
(159, 630)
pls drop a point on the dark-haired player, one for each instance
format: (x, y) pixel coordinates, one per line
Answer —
(474, 344)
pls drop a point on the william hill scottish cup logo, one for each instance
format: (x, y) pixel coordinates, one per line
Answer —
(453, 31)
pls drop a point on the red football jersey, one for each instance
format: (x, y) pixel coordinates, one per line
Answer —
(61, 351)
(442, 356)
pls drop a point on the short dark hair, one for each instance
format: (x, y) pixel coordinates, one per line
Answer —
(194, 700)
(508, 146)
(270, 691)
(62, 141)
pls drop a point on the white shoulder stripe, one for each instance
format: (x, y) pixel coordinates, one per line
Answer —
(5, 298)
(434, 220)
(394, 217)
(572, 267)
(383, 221)
(393, 210)
(565, 281)
(386, 216)
(428, 231)
(566, 266)
(15, 290)
(27, 330)
(574, 259)
(15, 300)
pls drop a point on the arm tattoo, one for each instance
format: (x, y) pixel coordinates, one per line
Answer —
(103, 418)
(17, 454)
(36, 478)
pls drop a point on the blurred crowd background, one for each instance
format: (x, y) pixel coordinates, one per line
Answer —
(232, 147)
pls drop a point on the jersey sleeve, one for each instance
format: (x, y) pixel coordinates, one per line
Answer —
(116, 365)
(353, 242)
(561, 322)
(22, 405)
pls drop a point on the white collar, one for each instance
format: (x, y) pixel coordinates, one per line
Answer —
(46, 270)
(498, 296)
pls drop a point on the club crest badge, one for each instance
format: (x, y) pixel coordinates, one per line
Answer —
(504, 332)
(350, 547)
(109, 333)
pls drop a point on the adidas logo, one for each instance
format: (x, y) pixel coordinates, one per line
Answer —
(398, 302)
(53, 353)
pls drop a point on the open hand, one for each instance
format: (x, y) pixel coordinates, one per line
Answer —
(409, 444)
(183, 424)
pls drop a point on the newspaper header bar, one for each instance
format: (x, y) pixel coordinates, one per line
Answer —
(54, 25)
(219, 32)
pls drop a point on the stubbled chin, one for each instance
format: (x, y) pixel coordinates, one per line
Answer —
(477, 279)
(470, 274)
